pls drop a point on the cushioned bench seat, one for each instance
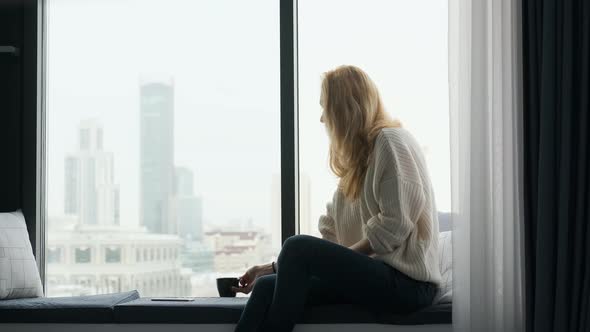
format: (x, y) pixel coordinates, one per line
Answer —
(129, 308)
(76, 309)
(228, 311)
(208, 310)
(435, 314)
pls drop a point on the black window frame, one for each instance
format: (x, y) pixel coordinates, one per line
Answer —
(33, 124)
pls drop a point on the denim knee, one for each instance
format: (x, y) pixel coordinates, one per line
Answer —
(295, 248)
(264, 285)
(298, 241)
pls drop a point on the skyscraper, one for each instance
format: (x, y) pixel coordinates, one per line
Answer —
(90, 191)
(188, 208)
(157, 156)
(184, 181)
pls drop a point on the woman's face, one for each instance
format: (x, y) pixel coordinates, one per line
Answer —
(322, 107)
(323, 120)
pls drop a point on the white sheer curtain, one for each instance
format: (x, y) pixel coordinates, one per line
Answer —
(484, 71)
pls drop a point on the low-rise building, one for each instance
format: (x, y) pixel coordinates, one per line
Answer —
(87, 259)
(236, 251)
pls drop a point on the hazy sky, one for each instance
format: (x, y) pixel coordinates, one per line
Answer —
(224, 58)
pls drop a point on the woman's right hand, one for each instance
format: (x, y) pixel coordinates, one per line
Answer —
(248, 280)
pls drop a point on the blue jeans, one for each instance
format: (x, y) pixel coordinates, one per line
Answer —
(316, 271)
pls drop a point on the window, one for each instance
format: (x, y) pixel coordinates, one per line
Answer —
(405, 57)
(162, 133)
(163, 128)
(83, 255)
(112, 255)
(54, 255)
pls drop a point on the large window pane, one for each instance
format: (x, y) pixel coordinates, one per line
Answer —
(163, 143)
(402, 45)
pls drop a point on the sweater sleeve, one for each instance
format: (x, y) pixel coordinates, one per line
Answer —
(400, 204)
(326, 225)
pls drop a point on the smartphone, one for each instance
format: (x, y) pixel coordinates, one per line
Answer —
(173, 299)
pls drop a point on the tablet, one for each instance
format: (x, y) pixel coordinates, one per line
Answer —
(173, 299)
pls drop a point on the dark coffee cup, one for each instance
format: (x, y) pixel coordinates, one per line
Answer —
(224, 286)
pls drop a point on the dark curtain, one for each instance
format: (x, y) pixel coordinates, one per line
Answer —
(11, 20)
(18, 111)
(556, 62)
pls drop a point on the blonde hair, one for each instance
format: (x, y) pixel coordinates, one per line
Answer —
(354, 116)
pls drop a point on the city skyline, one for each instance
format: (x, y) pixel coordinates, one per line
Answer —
(181, 192)
(89, 175)
(90, 253)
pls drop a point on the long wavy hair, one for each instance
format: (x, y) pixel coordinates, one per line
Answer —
(354, 115)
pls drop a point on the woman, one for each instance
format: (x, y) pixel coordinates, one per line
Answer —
(380, 233)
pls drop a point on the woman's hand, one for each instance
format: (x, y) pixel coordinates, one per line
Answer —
(249, 278)
(363, 247)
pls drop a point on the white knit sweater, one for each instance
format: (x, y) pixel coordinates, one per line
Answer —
(396, 210)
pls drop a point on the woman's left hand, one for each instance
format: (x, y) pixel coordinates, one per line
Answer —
(249, 278)
(363, 247)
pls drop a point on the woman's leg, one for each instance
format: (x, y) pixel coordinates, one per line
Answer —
(256, 309)
(344, 273)
(314, 271)
(261, 297)
(357, 277)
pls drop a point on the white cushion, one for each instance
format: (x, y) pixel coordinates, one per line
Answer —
(19, 276)
(445, 261)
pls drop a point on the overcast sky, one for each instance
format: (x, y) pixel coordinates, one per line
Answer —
(224, 59)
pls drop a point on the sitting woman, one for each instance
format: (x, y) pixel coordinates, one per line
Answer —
(380, 233)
